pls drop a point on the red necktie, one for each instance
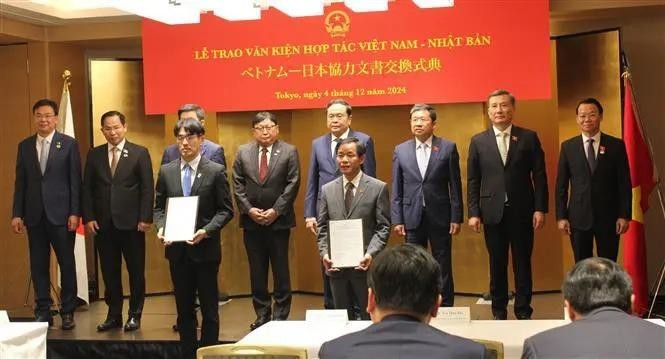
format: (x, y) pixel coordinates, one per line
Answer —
(263, 164)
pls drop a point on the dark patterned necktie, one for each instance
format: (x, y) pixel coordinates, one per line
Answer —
(591, 155)
(263, 164)
(348, 196)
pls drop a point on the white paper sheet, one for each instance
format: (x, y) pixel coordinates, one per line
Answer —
(181, 218)
(346, 242)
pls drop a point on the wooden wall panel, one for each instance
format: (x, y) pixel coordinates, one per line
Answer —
(17, 114)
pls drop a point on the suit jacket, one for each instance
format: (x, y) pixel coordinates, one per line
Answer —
(441, 187)
(606, 332)
(323, 168)
(601, 197)
(215, 207)
(371, 203)
(277, 191)
(400, 336)
(209, 150)
(522, 178)
(121, 200)
(56, 193)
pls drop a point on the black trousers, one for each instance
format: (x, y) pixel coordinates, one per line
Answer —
(346, 284)
(440, 241)
(112, 245)
(607, 241)
(41, 238)
(265, 248)
(514, 232)
(328, 302)
(189, 277)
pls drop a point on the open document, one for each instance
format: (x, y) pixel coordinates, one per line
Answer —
(346, 242)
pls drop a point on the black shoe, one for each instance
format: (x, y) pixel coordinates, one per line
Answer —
(196, 324)
(67, 321)
(523, 316)
(133, 323)
(500, 316)
(110, 323)
(223, 297)
(44, 318)
(259, 322)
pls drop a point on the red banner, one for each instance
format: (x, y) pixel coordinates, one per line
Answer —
(400, 56)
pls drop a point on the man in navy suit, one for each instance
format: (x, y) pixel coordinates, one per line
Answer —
(194, 264)
(117, 208)
(403, 296)
(209, 149)
(47, 202)
(595, 168)
(323, 168)
(427, 192)
(507, 192)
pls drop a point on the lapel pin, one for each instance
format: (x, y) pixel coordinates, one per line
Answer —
(124, 150)
(58, 145)
(198, 175)
(124, 155)
(602, 150)
(435, 148)
(514, 138)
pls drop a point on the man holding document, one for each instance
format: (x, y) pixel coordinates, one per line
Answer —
(199, 206)
(354, 225)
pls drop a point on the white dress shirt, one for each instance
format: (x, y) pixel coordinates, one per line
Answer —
(596, 144)
(48, 139)
(119, 147)
(333, 144)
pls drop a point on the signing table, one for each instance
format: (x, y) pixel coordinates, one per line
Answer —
(23, 340)
(312, 334)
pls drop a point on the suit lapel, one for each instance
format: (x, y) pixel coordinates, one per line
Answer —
(331, 157)
(578, 148)
(55, 142)
(177, 177)
(274, 157)
(514, 138)
(492, 145)
(360, 192)
(253, 169)
(123, 159)
(433, 155)
(601, 153)
(199, 176)
(34, 155)
(411, 158)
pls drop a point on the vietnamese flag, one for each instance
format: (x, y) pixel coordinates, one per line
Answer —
(641, 176)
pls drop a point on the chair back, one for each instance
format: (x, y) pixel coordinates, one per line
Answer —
(492, 347)
(239, 351)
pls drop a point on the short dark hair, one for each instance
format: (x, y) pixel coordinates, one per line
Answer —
(360, 147)
(200, 114)
(590, 101)
(45, 102)
(501, 92)
(191, 127)
(424, 107)
(339, 101)
(405, 278)
(264, 115)
(111, 114)
(597, 282)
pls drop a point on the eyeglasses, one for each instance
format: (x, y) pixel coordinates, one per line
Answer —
(264, 128)
(189, 138)
(46, 116)
(419, 119)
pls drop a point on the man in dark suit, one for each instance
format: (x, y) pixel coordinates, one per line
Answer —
(507, 192)
(47, 202)
(323, 168)
(598, 296)
(194, 264)
(117, 209)
(595, 166)
(209, 149)
(404, 295)
(427, 192)
(266, 177)
(354, 195)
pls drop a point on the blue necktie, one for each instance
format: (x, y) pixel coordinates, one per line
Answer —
(187, 180)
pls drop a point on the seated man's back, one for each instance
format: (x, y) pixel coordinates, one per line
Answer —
(401, 336)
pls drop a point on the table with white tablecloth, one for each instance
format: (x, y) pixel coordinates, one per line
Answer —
(311, 334)
(23, 340)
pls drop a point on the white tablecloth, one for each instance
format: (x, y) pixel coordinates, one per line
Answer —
(23, 340)
(311, 335)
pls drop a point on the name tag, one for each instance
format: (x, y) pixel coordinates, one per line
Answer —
(454, 314)
(328, 316)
